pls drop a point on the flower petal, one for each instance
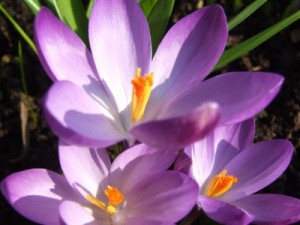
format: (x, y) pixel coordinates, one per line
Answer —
(223, 212)
(73, 213)
(214, 151)
(164, 197)
(120, 43)
(137, 152)
(84, 168)
(240, 95)
(271, 208)
(62, 53)
(257, 166)
(36, 194)
(78, 119)
(188, 52)
(137, 163)
(178, 132)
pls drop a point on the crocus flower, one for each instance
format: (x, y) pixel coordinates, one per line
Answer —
(118, 92)
(229, 169)
(135, 189)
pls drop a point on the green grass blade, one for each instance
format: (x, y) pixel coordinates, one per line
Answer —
(89, 8)
(251, 43)
(147, 6)
(245, 13)
(158, 21)
(52, 4)
(33, 115)
(21, 61)
(19, 29)
(73, 13)
(34, 5)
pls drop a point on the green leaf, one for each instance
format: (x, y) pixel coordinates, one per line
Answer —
(18, 28)
(73, 14)
(147, 6)
(89, 8)
(245, 13)
(158, 21)
(251, 43)
(34, 5)
(52, 4)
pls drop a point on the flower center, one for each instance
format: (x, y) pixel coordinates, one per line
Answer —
(220, 184)
(142, 87)
(114, 196)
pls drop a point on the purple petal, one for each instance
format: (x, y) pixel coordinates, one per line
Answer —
(73, 213)
(78, 119)
(223, 212)
(120, 43)
(137, 163)
(178, 132)
(271, 208)
(62, 53)
(240, 95)
(164, 197)
(214, 151)
(183, 163)
(257, 166)
(84, 168)
(36, 194)
(188, 52)
(164, 156)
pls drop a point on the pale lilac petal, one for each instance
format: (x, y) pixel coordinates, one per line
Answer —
(271, 208)
(240, 95)
(137, 163)
(165, 197)
(257, 166)
(84, 168)
(62, 53)
(165, 157)
(36, 194)
(188, 52)
(78, 119)
(218, 148)
(120, 43)
(178, 132)
(73, 213)
(223, 212)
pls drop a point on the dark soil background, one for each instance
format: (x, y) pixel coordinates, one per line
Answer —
(36, 146)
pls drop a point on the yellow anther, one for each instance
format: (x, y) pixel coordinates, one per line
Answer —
(111, 210)
(142, 87)
(220, 184)
(96, 202)
(114, 196)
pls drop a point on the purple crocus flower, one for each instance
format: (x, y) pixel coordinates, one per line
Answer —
(135, 189)
(229, 169)
(118, 92)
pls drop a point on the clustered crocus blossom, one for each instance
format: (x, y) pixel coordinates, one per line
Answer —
(119, 92)
(229, 168)
(134, 189)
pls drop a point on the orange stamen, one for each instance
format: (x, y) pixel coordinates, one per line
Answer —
(115, 198)
(142, 87)
(220, 184)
